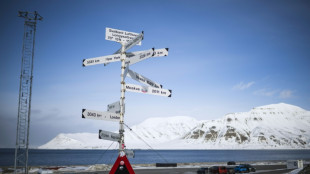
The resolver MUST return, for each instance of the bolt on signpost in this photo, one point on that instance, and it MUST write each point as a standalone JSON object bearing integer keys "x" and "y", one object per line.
{"x": 115, "y": 111}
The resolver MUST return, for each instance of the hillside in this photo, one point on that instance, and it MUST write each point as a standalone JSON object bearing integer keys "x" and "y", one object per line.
{"x": 276, "y": 126}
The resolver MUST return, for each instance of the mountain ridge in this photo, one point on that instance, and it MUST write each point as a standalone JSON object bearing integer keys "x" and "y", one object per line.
{"x": 275, "y": 126}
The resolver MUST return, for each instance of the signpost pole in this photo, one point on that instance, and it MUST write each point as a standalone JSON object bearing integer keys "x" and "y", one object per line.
{"x": 122, "y": 99}
{"x": 116, "y": 110}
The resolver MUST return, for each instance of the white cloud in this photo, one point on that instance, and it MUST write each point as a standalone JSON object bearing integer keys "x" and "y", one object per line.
{"x": 280, "y": 93}
{"x": 265, "y": 92}
{"x": 243, "y": 86}
{"x": 286, "y": 94}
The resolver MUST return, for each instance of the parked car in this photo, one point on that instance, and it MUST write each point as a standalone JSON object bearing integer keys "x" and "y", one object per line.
{"x": 230, "y": 169}
{"x": 217, "y": 170}
{"x": 249, "y": 167}
{"x": 214, "y": 170}
{"x": 203, "y": 170}
{"x": 222, "y": 170}
{"x": 231, "y": 163}
{"x": 241, "y": 169}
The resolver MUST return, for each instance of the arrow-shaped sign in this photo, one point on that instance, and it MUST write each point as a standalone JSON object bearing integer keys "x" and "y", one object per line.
{"x": 161, "y": 52}
{"x": 98, "y": 115}
{"x": 102, "y": 59}
{"x": 131, "y": 58}
{"x": 106, "y": 135}
{"x": 148, "y": 90}
{"x": 139, "y": 56}
{"x": 134, "y": 41}
{"x": 131, "y": 43}
{"x": 115, "y": 107}
{"x": 135, "y": 57}
{"x": 157, "y": 53}
{"x": 142, "y": 79}
{"x": 120, "y": 35}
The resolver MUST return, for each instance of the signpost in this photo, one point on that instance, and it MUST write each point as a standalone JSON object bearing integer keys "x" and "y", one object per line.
{"x": 106, "y": 135}
{"x": 114, "y": 107}
{"x": 98, "y": 115}
{"x": 139, "y": 78}
{"x": 141, "y": 55}
{"x": 120, "y": 35}
{"x": 148, "y": 90}
{"x": 115, "y": 111}
{"x": 135, "y": 57}
{"x": 161, "y": 52}
{"x": 102, "y": 59}
{"x": 131, "y": 43}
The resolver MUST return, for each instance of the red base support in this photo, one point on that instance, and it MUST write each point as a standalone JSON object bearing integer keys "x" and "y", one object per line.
{"x": 122, "y": 166}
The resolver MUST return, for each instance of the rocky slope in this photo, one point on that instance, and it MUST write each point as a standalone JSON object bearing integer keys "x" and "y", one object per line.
{"x": 271, "y": 126}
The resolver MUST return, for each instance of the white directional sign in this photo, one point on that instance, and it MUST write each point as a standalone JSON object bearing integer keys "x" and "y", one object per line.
{"x": 161, "y": 52}
{"x": 114, "y": 107}
{"x": 130, "y": 153}
{"x": 131, "y": 43}
{"x": 98, "y": 115}
{"x": 131, "y": 54}
{"x": 134, "y": 41}
{"x": 106, "y": 135}
{"x": 102, "y": 59}
{"x": 142, "y": 79}
{"x": 120, "y": 35}
{"x": 148, "y": 90}
{"x": 136, "y": 57}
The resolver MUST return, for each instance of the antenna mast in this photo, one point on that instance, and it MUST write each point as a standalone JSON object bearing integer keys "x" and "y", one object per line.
{"x": 25, "y": 88}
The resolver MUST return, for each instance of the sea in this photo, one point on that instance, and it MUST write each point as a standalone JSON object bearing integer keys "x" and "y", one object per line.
{"x": 41, "y": 157}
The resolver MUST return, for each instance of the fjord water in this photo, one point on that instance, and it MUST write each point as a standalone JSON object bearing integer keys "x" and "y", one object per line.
{"x": 40, "y": 157}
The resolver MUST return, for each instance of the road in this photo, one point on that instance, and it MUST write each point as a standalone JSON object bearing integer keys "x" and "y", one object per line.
{"x": 261, "y": 169}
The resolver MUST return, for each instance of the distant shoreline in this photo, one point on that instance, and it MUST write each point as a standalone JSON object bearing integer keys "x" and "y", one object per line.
{"x": 161, "y": 149}
{"x": 68, "y": 157}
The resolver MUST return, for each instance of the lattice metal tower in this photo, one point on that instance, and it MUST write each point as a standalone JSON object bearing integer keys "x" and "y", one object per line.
{"x": 24, "y": 104}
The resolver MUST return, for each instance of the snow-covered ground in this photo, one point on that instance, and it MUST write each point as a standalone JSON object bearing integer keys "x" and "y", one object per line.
{"x": 275, "y": 126}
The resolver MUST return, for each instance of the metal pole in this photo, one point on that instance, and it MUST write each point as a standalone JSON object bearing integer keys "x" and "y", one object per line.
{"x": 122, "y": 99}
{"x": 19, "y": 101}
{"x": 25, "y": 91}
{"x": 30, "y": 94}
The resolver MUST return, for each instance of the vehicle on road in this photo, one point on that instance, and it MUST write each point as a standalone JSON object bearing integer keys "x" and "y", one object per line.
{"x": 214, "y": 170}
{"x": 230, "y": 169}
{"x": 217, "y": 170}
{"x": 222, "y": 170}
{"x": 241, "y": 169}
{"x": 203, "y": 170}
{"x": 249, "y": 167}
{"x": 231, "y": 163}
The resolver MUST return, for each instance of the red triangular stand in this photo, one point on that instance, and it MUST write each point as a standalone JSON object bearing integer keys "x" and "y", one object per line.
{"x": 122, "y": 169}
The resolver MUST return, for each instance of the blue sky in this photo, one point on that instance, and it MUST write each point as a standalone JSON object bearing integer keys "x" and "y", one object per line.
{"x": 224, "y": 56}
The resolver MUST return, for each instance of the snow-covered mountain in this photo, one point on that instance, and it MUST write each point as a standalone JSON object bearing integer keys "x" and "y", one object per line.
{"x": 155, "y": 131}
{"x": 267, "y": 127}
{"x": 271, "y": 126}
